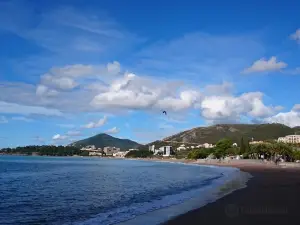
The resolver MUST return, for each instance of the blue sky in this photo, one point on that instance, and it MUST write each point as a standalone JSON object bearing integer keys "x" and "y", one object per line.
{"x": 72, "y": 69}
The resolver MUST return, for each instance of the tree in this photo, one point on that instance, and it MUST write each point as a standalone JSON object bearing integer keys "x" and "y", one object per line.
{"x": 222, "y": 146}
{"x": 201, "y": 153}
{"x": 242, "y": 146}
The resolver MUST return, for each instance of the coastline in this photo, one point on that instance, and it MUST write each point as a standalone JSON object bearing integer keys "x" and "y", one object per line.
{"x": 271, "y": 197}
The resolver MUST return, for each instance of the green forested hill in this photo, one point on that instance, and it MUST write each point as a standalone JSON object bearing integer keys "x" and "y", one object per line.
{"x": 102, "y": 140}
{"x": 212, "y": 134}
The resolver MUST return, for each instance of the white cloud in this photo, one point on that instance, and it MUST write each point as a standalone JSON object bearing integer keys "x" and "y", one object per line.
{"x": 113, "y": 130}
{"x": 114, "y": 68}
{"x": 3, "y": 119}
{"x": 42, "y": 90}
{"x": 70, "y": 76}
{"x": 296, "y": 108}
{"x": 187, "y": 99}
{"x": 134, "y": 92}
{"x": 13, "y": 108}
{"x": 231, "y": 109}
{"x": 264, "y": 65}
{"x": 296, "y": 36}
{"x": 63, "y": 83}
{"x": 290, "y": 119}
{"x": 99, "y": 123}
{"x": 59, "y": 137}
{"x": 22, "y": 118}
{"x": 73, "y": 133}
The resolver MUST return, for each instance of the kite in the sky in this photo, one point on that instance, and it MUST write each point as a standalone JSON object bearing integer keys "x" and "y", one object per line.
{"x": 165, "y": 112}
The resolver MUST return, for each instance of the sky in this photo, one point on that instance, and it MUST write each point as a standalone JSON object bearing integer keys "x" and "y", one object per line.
{"x": 73, "y": 69}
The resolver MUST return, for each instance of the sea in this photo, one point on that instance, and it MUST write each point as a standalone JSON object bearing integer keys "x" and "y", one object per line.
{"x": 85, "y": 190}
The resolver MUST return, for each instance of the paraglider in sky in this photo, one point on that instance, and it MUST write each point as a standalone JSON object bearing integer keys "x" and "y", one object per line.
{"x": 165, "y": 112}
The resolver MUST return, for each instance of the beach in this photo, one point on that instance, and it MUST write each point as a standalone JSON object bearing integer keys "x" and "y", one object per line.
{"x": 272, "y": 196}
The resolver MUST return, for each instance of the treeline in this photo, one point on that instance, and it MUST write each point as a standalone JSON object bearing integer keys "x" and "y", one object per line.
{"x": 139, "y": 154}
{"x": 46, "y": 150}
{"x": 269, "y": 150}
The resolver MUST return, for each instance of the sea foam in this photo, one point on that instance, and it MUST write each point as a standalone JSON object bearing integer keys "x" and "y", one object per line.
{"x": 170, "y": 206}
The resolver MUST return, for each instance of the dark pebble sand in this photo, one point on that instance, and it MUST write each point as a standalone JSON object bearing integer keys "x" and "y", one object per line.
{"x": 272, "y": 196}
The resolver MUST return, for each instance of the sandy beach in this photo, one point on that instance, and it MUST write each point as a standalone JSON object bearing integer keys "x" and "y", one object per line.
{"x": 272, "y": 196}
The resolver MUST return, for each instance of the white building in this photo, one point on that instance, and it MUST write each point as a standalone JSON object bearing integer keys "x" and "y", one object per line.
{"x": 290, "y": 139}
{"x": 152, "y": 148}
{"x": 94, "y": 153}
{"x": 256, "y": 142}
{"x": 234, "y": 145}
{"x": 89, "y": 148}
{"x": 166, "y": 150}
{"x": 111, "y": 150}
{"x": 206, "y": 145}
{"x": 181, "y": 147}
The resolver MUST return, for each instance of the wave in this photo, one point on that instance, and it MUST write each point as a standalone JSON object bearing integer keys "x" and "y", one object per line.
{"x": 167, "y": 207}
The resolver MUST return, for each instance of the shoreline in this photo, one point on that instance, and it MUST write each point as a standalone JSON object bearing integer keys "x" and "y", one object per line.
{"x": 271, "y": 196}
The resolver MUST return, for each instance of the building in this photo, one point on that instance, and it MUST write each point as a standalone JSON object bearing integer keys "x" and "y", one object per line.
{"x": 89, "y": 148}
{"x": 110, "y": 150}
{"x": 152, "y": 148}
{"x": 95, "y": 153}
{"x": 234, "y": 145}
{"x": 290, "y": 139}
{"x": 181, "y": 147}
{"x": 166, "y": 150}
{"x": 206, "y": 145}
{"x": 256, "y": 142}
{"x": 120, "y": 154}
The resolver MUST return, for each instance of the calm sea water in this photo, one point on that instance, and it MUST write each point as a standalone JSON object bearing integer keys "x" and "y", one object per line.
{"x": 52, "y": 190}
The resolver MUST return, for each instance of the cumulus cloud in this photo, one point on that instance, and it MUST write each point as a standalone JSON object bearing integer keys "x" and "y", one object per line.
{"x": 264, "y": 65}
{"x": 114, "y": 68}
{"x": 134, "y": 92}
{"x": 113, "y": 130}
{"x": 99, "y": 123}
{"x": 291, "y": 119}
{"x": 187, "y": 99}
{"x": 231, "y": 109}
{"x": 43, "y": 90}
{"x": 296, "y": 36}
{"x": 296, "y": 108}
{"x": 3, "y": 119}
{"x": 59, "y": 137}
{"x": 67, "y": 78}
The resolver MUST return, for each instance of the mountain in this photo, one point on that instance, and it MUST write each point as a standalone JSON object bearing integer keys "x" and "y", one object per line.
{"x": 103, "y": 140}
{"x": 212, "y": 134}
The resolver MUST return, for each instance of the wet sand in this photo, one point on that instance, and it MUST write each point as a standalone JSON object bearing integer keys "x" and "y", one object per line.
{"x": 272, "y": 196}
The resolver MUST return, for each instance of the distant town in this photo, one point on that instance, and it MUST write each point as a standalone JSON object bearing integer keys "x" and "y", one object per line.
{"x": 286, "y": 147}
{"x": 168, "y": 150}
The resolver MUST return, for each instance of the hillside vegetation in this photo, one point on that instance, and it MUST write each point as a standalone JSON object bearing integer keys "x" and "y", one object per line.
{"x": 103, "y": 140}
{"x": 212, "y": 134}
